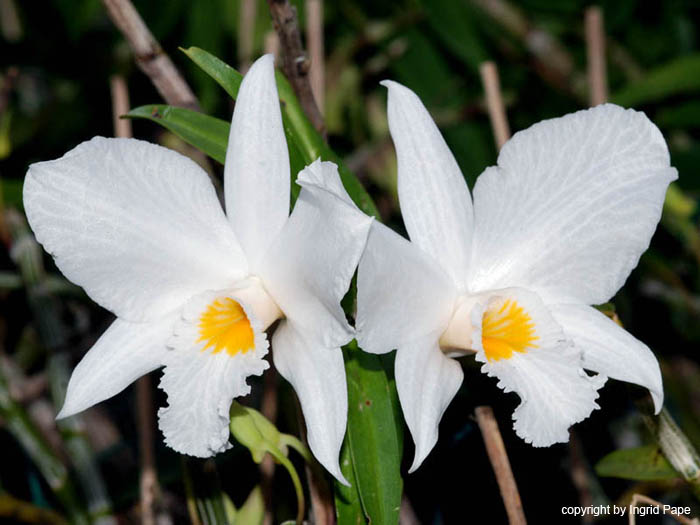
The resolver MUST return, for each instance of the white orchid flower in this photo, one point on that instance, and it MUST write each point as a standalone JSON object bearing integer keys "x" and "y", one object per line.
{"x": 557, "y": 226}
{"x": 141, "y": 229}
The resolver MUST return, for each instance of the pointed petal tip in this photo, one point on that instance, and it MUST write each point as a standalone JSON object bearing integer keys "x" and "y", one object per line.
{"x": 337, "y": 474}
{"x": 265, "y": 61}
{"x": 417, "y": 460}
{"x": 658, "y": 399}
{"x": 65, "y": 412}
{"x": 392, "y": 84}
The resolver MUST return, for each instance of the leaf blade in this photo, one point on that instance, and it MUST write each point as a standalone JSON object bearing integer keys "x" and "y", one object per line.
{"x": 646, "y": 463}
{"x": 208, "y": 134}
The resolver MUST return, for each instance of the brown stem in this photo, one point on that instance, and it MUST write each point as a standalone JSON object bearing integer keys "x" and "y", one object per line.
{"x": 246, "y": 33}
{"x": 494, "y": 103}
{"x": 150, "y": 57}
{"x": 501, "y": 466}
{"x": 595, "y": 51}
{"x": 314, "y": 40}
{"x": 268, "y": 408}
{"x": 295, "y": 62}
{"x": 120, "y": 106}
{"x": 149, "y": 487}
{"x": 579, "y": 474}
{"x": 551, "y": 59}
{"x": 407, "y": 516}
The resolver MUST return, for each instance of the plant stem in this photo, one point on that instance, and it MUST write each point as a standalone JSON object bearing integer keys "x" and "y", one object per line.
{"x": 595, "y": 51}
{"x": 494, "y": 103}
{"x": 501, "y": 466}
{"x": 296, "y": 64}
{"x": 150, "y": 57}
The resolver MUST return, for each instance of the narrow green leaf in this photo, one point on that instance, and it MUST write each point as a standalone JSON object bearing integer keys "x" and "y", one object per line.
{"x": 18, "y": 423}
{"x": 253, "y": 510}
{"x": 301, "y": 135}
{"x": 374, "y": 439}
{"x": 227, "y": 77}
{"x": 348, "y": 509}
{"x": 681, "y": 75}
{"x": 645, "y": 463}
{"x": 205, "y": 500}
{"x": 205, "y": 133}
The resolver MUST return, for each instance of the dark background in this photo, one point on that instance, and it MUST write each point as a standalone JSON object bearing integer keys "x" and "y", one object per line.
{"x": 55, "y": 63}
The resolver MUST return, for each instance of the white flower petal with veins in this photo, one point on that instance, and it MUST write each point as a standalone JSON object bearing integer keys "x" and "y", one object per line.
{"x": 256, "y": 173}
{"x": 125, "y": 352}
{"x": 426, "y": 381}
{"x": 137, "y": 225}
{"x": 317, "y": 374}
{"x": 435, "y": 201}
{"x": 571, "y": 206}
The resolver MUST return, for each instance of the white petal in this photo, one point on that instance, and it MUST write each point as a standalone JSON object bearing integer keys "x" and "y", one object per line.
{"x": 308, "y": 268}
{"x": 201, "y": 384}
{"x": 435, "y": 201}
{"x": 572, "y": 205}
{"x": 402, "y": 294}
{"x": 554, "y": 389}
{"x": 256, "y": 173}
{"x": 609, "y": 349}
{"x": 125, "y": 352}
{"x": 137, "y": 225}
{"x": 317, "y": 374}
{"x": 427, "y": 381}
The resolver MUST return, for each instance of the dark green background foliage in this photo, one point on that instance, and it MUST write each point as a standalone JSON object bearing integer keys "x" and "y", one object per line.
{"x": 54, "y": 93}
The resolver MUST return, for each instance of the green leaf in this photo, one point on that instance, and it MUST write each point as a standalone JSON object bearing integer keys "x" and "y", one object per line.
{"x": 645, "y": 463}
{"x": 227, "y": 77}
{"x": 20, "y": 426}
{"x": 205, "y": 133}
{"x": 348, "y": 509}
{"x": 302, "y": 137}
{"x": 678, "y": 76}
{"x": 374, "y": 439}
{"x": 253, "y": 510}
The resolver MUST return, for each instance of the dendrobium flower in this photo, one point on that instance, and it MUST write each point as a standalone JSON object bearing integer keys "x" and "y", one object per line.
{"x": 556, "y": 227}
{"x": 141, "y": 229}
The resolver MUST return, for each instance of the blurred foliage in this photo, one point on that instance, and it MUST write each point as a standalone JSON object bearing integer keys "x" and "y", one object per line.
{"x": 55, "y": 62}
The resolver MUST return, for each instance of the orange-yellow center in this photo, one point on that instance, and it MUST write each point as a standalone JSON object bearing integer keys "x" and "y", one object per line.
{"x": 506, "y": 328}
{"x": 225, "y": 326}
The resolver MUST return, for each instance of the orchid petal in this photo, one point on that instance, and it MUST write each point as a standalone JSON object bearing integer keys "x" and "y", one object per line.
{"x": 426, "y": 381}
{"x": 609, "y": 349}
{"x": 571, "y": 206}
{"x": 309, "y": 266}
{"x": 202, "y": 381}
{"x": 317, "y": 374}
{"x": 402, "y": 294}
{"x": 435, "y": 201}
{"x": 137, "y": 225}
{"x": 125, "y": 352}
{"x": 256, "y": 173}
{"x": 546, "y": 373}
